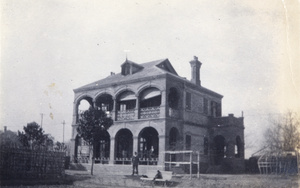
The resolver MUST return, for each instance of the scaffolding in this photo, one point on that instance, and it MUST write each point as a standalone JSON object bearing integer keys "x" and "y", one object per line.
{"x": 187, "y": 157}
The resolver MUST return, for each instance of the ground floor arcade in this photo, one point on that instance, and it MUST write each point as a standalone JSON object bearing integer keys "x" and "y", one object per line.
{"x": 151, "y": 139}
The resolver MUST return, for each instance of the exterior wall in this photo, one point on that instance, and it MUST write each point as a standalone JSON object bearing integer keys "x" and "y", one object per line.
{"x": 230, "y": 128}
{"x": 197, "y": 134}
{"x": 197, "y": 122}
{"x": 197, "y": 113}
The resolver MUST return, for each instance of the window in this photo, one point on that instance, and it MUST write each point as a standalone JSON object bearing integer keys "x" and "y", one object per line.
{"x": 173, "y": 98}
{"x": 219, "y": 110}
{"x": 126, "y": 69}
{"x": 122, "y": 107}
{"x": 188, "y": 101}
{"x": 188, "y": 142}
{"x": 213, "y": 108}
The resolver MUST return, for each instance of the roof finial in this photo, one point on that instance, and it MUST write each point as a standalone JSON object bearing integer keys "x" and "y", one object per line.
{"x": 126, "y": 51}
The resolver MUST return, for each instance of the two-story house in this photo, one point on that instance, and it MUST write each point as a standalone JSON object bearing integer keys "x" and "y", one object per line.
{"x": 155, "y": 110}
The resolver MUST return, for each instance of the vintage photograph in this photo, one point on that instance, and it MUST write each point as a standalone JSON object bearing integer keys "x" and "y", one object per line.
{"x": 160, "y": 93}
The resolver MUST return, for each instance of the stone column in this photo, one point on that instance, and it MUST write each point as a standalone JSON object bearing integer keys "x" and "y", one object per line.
{"x": 163, "y": 105}
{"x": 75, "y": 113}
{"x": 74, "y": 132}
{"x": 162, "y": 146}
{"x": 95, "y": 104}
{"x": 137, "y": 107}
{"x": 112, "y": 151}
{"x": 114, "y": 110}
{"x": 72, "y": 149}
{"x": 230, "y": 149}
{"x": 135, "y": 144}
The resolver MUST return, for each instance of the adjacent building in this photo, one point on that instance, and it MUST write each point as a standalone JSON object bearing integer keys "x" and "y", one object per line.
{"x": 155, "y": 110}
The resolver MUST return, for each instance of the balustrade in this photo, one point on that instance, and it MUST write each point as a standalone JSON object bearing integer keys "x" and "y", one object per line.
{"x": 125, "y": 115}
{"x": 150, "y": 112}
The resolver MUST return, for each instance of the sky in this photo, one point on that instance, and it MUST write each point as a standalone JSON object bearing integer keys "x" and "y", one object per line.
{"x": 249, "y": 51}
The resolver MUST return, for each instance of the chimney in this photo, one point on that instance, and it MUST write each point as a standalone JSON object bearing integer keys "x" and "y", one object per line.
{"x": 196, "y": 65}
{"x": 5, "y": 128}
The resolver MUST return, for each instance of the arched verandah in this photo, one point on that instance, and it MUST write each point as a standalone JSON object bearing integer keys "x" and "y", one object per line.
{"x": 123, "y": 146}
{"x": 148, "y": 143}
{"x": 150, "y": 101}
{"x": 105, "y": 102}
{"x": 102, "y": 148}
{"x": 82, "y": 150}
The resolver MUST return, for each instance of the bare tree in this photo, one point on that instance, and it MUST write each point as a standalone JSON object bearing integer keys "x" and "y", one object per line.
{"x": 283, "y": 133}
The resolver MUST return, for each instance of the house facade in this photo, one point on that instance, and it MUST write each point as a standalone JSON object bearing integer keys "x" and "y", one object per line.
{"x": 155, "y": 110}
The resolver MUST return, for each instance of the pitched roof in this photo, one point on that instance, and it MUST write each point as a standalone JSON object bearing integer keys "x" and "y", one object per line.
{"x": 149, "y": 69}
{"x": 152, "y": 68}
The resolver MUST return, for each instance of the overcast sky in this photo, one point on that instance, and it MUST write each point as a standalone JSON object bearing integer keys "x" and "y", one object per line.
{"x": 249, "y": 51}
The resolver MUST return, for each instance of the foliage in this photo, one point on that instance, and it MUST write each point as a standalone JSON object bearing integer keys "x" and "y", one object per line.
{"x": 9, "y": 139}
{"x": 60, "y": 146}
{"x": 283, "y": 134}
{"x": 92, "y": 124}
{"x": 33, "y": 137}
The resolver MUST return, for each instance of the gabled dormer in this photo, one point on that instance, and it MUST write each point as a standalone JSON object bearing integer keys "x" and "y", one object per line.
{"x": 166, "y": 65}
{"x": 129, "y": 67}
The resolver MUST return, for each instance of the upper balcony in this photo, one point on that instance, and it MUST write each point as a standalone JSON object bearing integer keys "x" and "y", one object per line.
{"x": 149, "y": 103}
{"x": 144, "y": 106}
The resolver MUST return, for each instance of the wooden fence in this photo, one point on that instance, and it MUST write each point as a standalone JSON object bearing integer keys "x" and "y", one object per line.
{"x": 25, "y": 164}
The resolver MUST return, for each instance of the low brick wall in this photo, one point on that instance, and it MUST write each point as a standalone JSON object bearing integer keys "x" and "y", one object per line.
{"x": 25, "y": 164}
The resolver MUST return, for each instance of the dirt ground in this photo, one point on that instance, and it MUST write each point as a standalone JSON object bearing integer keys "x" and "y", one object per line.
{"x": 84, "y": 179}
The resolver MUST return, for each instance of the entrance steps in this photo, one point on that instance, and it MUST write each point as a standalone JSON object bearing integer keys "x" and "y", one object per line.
{"x": 114, "y": 169}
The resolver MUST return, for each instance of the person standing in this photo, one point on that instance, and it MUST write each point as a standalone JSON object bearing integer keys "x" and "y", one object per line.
{"x": 135, "y": 164}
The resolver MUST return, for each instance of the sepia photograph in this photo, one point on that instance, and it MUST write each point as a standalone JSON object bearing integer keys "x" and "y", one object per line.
{"x": 160, "y": 93}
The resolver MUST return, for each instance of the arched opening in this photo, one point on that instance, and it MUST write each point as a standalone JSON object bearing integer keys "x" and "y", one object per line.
{"x": 219, "y": 149}
{"x": 173, "y": 99}
{"x": 82, "y": 150}
{"x": 150, "y": 101}
{"x": 174, "y": 139}
{"x": 102, "y": 148}
{"x": 83, "y": 105}
{"x": 105, "y": 103}
{"x": 238, "y": 147}
{"x": 148, "y": 143}
{"x": 123, "y": 146}
{"x": 126, "y": 103}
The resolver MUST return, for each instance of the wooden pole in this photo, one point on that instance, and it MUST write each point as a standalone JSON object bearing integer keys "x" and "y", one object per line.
{"x": 191, "y": 165}
{"x": 198, "y": 156}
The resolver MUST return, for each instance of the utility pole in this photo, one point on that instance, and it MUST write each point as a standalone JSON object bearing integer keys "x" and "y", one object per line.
{"x": 42, "y": 120}
{"x": 63, "y": 131}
